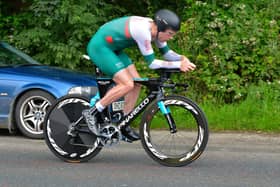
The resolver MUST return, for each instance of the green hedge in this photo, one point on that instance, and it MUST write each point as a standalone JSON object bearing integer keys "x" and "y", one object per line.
{"x": 233, "y": 43}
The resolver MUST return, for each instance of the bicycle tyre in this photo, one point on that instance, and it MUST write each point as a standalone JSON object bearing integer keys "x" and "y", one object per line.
{"x": 61, "y": 114}
{"x": 191, "y": 136}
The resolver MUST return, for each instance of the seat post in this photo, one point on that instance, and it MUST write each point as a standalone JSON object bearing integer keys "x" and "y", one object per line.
{"x": 97, "y": 71}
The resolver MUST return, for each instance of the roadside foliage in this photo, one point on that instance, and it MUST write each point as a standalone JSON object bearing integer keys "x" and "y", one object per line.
{"x": 234, "y": 44}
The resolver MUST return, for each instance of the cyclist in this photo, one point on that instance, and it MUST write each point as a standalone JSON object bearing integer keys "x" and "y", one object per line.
{"x": 106, "y": 52}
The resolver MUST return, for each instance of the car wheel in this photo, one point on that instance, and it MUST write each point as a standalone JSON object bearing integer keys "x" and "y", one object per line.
{"x": 30, "y": 112}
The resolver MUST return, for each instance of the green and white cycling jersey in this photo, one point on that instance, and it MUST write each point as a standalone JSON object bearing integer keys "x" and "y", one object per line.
{"x": 106, "y": 46}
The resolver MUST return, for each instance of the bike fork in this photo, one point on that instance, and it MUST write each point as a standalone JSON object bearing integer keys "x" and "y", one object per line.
{"x": 167, "y": 114}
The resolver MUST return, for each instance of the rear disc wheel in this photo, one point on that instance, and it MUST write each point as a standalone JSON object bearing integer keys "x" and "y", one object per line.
{"x": 62, "y": 114}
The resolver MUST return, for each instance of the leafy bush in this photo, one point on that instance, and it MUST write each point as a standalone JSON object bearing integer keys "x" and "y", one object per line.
{"x": 58, "y": 30}
{"x": 234, "y": 44}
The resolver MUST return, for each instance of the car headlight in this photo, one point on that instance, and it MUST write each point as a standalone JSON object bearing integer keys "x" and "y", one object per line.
{"x": 85, "y": 91}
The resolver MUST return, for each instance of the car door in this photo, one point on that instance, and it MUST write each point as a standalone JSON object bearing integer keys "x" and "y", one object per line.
{"x": 8, "y": 89}
{"x": 5, "y": 99}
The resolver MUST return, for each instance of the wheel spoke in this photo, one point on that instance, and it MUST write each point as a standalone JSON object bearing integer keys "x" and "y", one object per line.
{"x": 32, "y": 104}
{"x": 37, "y": 125}
{"x": 44, "y": 106}
{"x": 29, "y": 117}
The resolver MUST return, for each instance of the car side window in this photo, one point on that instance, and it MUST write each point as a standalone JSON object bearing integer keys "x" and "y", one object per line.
{"x": 7, "y": 58}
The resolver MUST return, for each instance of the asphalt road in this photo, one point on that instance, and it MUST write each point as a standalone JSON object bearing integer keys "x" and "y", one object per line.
{"x": 230, "y": 160}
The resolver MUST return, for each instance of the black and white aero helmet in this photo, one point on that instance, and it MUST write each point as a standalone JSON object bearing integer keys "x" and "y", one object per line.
{"x": 166, "y": 19}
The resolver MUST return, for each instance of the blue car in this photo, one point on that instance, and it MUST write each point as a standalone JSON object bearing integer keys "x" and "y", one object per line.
{"x": 28, "y": 89}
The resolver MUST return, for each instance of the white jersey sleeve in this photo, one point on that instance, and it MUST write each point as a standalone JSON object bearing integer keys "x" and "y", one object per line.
{"x": 141, "y": 33}
{"x": 156, "y": 64}
{"x": 140, "y": 30}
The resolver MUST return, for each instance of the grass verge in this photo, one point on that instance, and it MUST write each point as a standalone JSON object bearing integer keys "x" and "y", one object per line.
{"x": 260, "y": 111}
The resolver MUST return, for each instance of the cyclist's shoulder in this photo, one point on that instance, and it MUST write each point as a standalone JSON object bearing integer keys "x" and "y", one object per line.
{"x": 140, "y": 19}
{"x": 140, "y": 27}
{"x": 120, "y": 20}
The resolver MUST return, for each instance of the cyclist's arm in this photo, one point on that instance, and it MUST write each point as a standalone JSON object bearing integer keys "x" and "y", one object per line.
{"x": 157, "y": 63}
{"x": 168, "y": 54}
{"x": 172, "y": 57}
{"x": 148, "y": 53}
{"x": 141, "y": 33}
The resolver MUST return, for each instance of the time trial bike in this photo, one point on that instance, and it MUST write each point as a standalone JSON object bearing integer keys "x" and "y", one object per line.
{"x": 173, "y": 128}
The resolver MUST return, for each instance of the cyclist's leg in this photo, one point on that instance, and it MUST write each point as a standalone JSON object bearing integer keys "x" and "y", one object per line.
{"x": 124, "y": 84}
{"x": 132, "y": 96}
{"x": 110, "y": 64}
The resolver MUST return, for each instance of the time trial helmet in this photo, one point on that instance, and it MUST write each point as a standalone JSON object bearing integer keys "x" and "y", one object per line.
{"x": 166, "y": 19}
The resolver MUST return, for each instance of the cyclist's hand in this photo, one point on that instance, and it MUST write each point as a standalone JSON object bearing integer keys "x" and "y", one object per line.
{"x": 187, "y": 65}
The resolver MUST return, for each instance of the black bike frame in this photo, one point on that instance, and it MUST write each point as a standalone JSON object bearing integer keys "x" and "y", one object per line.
{"x": 154, "y": 93}
{"x": 155, "y": 86}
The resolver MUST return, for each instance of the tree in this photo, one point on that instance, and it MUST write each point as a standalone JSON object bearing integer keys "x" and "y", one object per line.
{"x": 56, "y": 31}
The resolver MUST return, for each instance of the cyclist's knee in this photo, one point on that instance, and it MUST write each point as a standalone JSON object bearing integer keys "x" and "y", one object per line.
{"x": 137, "y": 86}
{"x": 129, "y": 85}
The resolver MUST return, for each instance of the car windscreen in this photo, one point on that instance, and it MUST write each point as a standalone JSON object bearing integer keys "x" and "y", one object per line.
{"x": 10, "y": 56}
